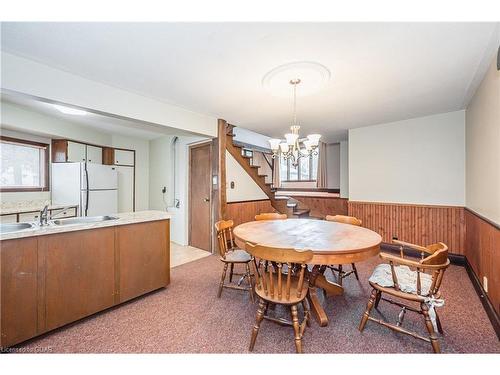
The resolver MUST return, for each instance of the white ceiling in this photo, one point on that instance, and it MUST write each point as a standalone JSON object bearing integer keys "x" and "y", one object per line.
{"x": 380, "y": 72}
{"x": 103, "y": 123}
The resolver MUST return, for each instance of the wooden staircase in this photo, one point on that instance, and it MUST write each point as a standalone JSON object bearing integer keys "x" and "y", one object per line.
{"x": 282, "y": 204}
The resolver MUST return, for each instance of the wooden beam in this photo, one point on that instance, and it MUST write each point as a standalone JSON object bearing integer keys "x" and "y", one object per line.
{"x": 221, "y": 169}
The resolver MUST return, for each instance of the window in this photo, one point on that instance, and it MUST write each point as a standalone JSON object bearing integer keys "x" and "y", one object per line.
{"x": 306, "y": 170}
{"x": 24, "y": 165}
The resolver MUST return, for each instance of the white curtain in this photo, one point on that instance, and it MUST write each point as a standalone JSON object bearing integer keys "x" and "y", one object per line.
{"x": 276, "y": 173}
{"x": 321, "y": 179}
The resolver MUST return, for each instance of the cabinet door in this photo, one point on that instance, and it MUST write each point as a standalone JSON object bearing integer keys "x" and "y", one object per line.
{"x": 144, "y": 258}
{"x": 123, "y": 157}
{"x": 125, "y": 189}
{"x": 79, "y": 277}
{"x": 18, "y": 260}
{"x": 94, "y": 154}
{"x": 76, "y": 152}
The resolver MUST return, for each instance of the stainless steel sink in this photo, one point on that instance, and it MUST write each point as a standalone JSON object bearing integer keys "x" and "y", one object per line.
{"x": 14, "y": 227}
{"x": 83, "y": 220}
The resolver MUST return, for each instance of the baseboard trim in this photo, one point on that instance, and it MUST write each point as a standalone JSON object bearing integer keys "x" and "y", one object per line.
{"x": 459, "y": 260}
{"x": 488, "y": 306}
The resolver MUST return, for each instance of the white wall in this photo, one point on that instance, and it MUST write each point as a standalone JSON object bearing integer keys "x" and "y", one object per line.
{"x": 419, "y": 161}
{"x": 344, "y": 169}
{"x": 33, "y": 123}
{"x": 247, "y": 136}
{"x": 333, "y": 165}
{"x": 29, "y": 77}
{"x": 483, "y": 147}
{"x": 245, "y": 188}
{"x": 160, "y": 173}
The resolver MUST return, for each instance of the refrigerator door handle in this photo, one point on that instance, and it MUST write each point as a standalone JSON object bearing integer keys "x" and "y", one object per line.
{"x": 87, "y": 195}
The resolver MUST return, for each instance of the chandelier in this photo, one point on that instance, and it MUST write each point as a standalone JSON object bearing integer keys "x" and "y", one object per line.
{"x": 293, "y": 147}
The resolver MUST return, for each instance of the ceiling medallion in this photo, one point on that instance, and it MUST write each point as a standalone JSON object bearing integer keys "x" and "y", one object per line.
{"x": 313, "y": 77}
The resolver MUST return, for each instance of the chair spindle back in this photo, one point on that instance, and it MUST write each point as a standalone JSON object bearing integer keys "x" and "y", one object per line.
{"x": 437, "y": 262}
{"x": 270, "y": 269}
{"x": 225, "y": 236}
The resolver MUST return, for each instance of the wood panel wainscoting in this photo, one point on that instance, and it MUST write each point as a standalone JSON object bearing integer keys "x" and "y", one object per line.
{"x": 242, "y": 212}
{"x": 322, "y": 206}
{"x": 482, "y": 251}
{"x": 420, "y": 224}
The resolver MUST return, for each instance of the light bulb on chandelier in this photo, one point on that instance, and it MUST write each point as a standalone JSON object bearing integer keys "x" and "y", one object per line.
{"x": 292, "y": 148}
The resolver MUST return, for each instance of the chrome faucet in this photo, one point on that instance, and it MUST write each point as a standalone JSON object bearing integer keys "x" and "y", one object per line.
{"x": 44, "y": 213}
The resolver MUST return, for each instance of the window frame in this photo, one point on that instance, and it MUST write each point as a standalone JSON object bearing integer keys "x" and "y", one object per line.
{"x": 46, "y": 179}
{"x": 288, "y": 163}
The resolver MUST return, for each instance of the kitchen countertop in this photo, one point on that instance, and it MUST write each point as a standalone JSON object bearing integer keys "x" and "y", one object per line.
{"x": 31, "y": 208}
{"x": 123, "y": 219}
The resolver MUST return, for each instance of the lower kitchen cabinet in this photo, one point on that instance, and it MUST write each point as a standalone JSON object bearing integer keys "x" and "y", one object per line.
{"x": 19, "y": 304}
{"x": 52, "y": 280}
{"x": 78, "y": 271}
{"x": 143, "y": 258}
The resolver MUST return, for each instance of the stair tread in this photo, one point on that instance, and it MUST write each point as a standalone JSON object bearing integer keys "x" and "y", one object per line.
{"x": 281, "y": 198}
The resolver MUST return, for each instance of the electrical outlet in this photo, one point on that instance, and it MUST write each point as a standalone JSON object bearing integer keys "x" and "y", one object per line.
{"x": 485, "y": 284}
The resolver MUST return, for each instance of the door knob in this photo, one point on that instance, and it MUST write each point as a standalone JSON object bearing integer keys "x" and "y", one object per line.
{"x": 207, "y": 199}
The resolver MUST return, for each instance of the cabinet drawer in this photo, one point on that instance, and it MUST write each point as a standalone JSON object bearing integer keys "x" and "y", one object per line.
{"x": 28, "y": 217}
{"x": 123, "y": 157}
{"x": 62, "y": 213}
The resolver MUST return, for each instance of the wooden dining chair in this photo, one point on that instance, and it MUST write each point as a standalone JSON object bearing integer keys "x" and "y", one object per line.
{"x": 270, "y": 216}
{"x": 230, "y": 256}
{"x": 281, "y": 281}
{"x": 421, "y": 285}
{"x": 345, "y": 220}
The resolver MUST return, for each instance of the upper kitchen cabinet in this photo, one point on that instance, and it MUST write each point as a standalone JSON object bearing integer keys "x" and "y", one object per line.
{"x": 76, "y": 152}
{"x": 94, "y": 154}
{"x": 124, "y": 157}
{"x": 68, "y": 151}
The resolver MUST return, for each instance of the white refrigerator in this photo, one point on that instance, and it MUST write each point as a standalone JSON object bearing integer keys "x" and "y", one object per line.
{"x": 92, "y": 187}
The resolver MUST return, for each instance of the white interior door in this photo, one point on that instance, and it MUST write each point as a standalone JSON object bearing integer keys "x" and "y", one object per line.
{"x": 125, "y": 189}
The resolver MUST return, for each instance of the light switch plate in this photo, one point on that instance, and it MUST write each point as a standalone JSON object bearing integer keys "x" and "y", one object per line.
{"x": 485, "y": 284}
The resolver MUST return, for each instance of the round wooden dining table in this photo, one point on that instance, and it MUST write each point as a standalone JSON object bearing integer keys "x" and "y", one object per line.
{"x": 331, "y": 243}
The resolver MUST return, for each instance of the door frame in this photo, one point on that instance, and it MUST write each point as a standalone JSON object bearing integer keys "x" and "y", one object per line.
{"x": 192, "y": 146}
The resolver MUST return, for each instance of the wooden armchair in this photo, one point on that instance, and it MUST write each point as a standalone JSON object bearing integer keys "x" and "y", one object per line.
{"x": 421, "y": 286}
{"x": 270, "y": 216}
{"x": 280, "y": 280}
{"x": 345, "y": 220}
{"x": 231, "y": 255}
